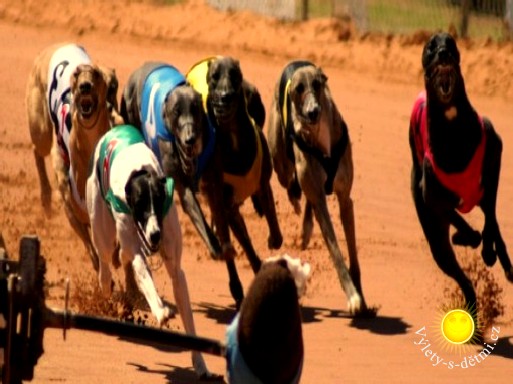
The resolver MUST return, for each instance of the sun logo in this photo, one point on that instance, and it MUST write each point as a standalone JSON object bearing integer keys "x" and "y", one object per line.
{"x": 458, "y": 327}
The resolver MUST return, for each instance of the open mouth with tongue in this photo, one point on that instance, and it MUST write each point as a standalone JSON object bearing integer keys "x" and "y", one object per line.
{"x": 86, "y": 105}
{"x": 445, "y": 82}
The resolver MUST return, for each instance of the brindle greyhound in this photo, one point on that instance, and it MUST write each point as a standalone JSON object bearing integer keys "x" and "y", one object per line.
{"x": 246, "y": 162}
{"x": 311, "y": 152}
{"x": 170, "y": 114}
{"x": 456, "y": 156}
{"x": 66, "y": 90}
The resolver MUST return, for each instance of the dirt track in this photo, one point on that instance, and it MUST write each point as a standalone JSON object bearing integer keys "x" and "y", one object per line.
{"x": 374, "y": 83}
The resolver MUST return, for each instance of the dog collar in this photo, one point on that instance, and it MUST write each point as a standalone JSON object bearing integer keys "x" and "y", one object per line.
{"x": 238, "y": 371}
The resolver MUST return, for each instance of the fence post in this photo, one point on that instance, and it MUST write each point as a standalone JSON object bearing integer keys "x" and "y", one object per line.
{"x": 304, "y": 10}
{"x": 508, "y": 18}
{"x": 465, "y": 11}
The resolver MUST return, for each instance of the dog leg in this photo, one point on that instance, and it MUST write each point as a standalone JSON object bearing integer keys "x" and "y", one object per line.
{"x": 192, "y": 208}
{"x": 171, "y": 254}
{"x": 294, "y": 195}
{"x": 346, "y": 211}
{"x": 436, "y": 231}
{"x": 307, "y": 229}
{"x": 438, "y": 238}
{"x": 241, "y": 234}
{"x": 147, "y": 287}
{"x": 493, "y": 243}
{"x": 465, "y": 235}
{"x": 266, "y": 199}
{"x": 44, "y": 183}
{"x": 356, "y": 303}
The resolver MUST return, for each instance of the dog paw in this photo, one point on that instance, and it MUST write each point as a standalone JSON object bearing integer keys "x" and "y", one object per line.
{"x": 165, "y": 315}
{"x": 211, "y": 377}
{"x": 489, "y": 255}
{"x": 355, "y": 304}
{"x": 467, "y": 239}
{"x": 275, "y": 242}
{"x": 509, "y": 275}
{"x": 297, "y": 206}
{"x": 201, "y": 369}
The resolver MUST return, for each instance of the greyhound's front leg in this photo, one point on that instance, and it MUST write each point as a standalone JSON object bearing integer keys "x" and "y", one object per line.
{"x": 493, "y": 243}
{"x": 192, "y": 208}
{"x": 356, "y": 302}
{"x": 105, "y": 277}
{"x": 147, "y": 287}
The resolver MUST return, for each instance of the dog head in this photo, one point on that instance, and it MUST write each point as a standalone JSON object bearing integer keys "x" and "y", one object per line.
{"x": 306, "y": 92}
{"x": 89, "y": 93}
{"x": 269, "y": 330}
{"x": 442, "y": 73}
{"x": 146, "y": 196}
{"x": 224, "y": 79}
{"x": 185, "y": 118}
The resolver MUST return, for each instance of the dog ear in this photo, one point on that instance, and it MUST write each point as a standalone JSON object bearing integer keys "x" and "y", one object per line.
{"x": 129, "y": 186}
{"x": 322, "y": 75}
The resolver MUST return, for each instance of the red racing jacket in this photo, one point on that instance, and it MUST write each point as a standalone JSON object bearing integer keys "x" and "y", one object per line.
{"x": 465, "y": 184}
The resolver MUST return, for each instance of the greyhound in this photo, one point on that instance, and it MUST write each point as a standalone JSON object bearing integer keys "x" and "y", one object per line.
{"x": 456, "y": 161}
{"x": 311, "y": 153}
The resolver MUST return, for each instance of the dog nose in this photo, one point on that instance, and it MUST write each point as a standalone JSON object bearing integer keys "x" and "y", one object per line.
{"x": 443, "y": 53}
{"x": 190, "y": 140}
{"x": 155, "y": 237}
{"x": 85, "y": 87}
{"x": 313, "y": 114}
{"x": 226, "y": 97}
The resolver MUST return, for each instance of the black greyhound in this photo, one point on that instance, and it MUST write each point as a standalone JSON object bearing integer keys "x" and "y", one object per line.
{"x": 235, "y": 108}
{"x": 456, "y": 157}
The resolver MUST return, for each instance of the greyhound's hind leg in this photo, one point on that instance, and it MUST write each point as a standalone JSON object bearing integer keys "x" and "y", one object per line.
{"x": 266, "y": 199}
{"x": 44, "y": 183}
{"x": 307, "y": 230}
{"x": 82, "y": 230}
{"x": 465, "y": 235}
{"x": 437, "y": 233}
{"x": 240, "y": 231}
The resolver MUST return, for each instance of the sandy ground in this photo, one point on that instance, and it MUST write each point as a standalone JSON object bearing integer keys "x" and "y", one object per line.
{"x": 374, "y": 80}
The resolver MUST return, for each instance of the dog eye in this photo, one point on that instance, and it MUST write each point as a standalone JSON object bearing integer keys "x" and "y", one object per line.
{"x": 316, "y": 85}
{"x": 300, "y": 88}
{"x": 215, "y": 76}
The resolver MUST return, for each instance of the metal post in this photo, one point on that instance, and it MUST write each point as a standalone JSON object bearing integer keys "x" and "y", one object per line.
{"x": 465, "y": 12}
{"x": 508, "y": 18}
{"x": 304, "y": 10}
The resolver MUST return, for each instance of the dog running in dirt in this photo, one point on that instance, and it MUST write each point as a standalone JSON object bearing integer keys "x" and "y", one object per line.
{"x": 265, "y": 340}
{"x": 456, "y": 155}
{"x": 235, "y": 108}
{"x": 311, "y": 152}
{"x": 169, "y": 112}
{"x": 132, "y": 215}
{"x": 71, "y": 103}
